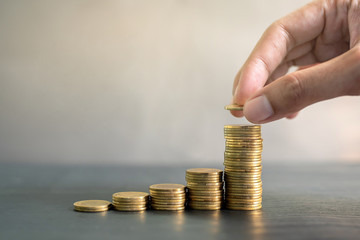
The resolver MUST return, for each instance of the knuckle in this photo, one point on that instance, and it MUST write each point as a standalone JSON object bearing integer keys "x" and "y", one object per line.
{"x": 294, "y": 91}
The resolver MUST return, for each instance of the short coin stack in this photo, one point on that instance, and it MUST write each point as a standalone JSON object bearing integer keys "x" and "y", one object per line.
{"x": 168, "y": 196}
{"x": 130, "y": 201}
{"x": 92, "y": 206}
{"x": 243, "y": 185}
{"x": 205, "y": 188}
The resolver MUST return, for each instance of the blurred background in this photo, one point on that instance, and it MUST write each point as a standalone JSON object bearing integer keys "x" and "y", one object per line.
{"x": 145, "y": 82}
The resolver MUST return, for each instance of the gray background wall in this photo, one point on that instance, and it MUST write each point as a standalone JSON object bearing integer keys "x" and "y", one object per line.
{"x": 145, "y": 82}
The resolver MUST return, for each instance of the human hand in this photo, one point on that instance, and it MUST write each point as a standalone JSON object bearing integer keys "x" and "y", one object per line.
{"x": 323, "y": 39}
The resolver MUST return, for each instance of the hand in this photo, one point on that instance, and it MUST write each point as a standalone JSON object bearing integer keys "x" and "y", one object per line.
{"x": 323, "y": 38}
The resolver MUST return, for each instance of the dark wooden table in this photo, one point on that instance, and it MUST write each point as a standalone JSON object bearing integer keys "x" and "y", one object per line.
{"x": 300, "y": 201}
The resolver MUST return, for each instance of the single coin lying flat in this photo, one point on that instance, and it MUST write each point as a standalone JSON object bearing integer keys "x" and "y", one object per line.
{"x": 234, "y": 107}
{"x": 92, "y": 206}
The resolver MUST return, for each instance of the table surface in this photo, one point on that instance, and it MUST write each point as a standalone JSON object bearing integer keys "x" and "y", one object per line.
{"x": 305, "y": 201}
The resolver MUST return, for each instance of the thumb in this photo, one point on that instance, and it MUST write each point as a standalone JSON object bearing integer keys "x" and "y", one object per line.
{"x": 293, "y": 92}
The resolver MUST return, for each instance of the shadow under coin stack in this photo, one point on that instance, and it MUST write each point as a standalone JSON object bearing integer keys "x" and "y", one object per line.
{"x": 168, "y": 196}
{"x": 130, "y": 201}
{"x": 205, "y": 188}
{"x": 243, "y": 185}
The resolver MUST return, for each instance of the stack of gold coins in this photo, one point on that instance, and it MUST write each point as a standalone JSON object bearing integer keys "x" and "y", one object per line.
{"x": 168, "y": 196}
{"x": 243, "y": 185}
{"x": 130, "y": 201}
{"x": 205, "y": 188}
{"x": 92, "y": 206}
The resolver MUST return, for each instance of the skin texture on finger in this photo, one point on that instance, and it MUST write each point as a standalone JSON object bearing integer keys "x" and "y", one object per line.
{"x": 354, "y": 20}
{"x": 293, "y": 92}
{"x": 281, "y": 37}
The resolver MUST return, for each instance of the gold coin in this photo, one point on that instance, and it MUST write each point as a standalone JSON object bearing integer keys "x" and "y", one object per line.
{"x": 218, "y": 203}
{"x": 204, "y": 171}
{"x": 206, "y": 196}
{"x": 168, "y": 204}
{"x": 243, "y": 150}
{"x": 168, "y": 195}
{"x": 92, "y": 205}
{"x": 244, "y": 169}
{"x": 242, "y": 132}
{"x": 169, "y": 208}
{"x": 167, "y": 187}
{"x": 241, "y": 192}
{"x": 214, "y": 199}
{"x": 130, "y": 206}
{"x": 242, "y": 136}
{"x": 204, "y": 184}
{"x": 245, "y": 173}
{"x": 234, "y": 182}
{"x": 231, "y": 189}
{"x": 243, "y": 158}
{"x": 200, "y": 180}
{"x": 205, "y": 188}
{"x": 234, "y": 107}
{"x": 205, "y": 192}
{"x": 244, "y": 143}
{"x": 209, "y": 201}
{"x": 243, "y": 176}
{"x": 231, "y": 165}
{"x": 243, "y": 207}
{"x": 241, "y": 129}
{"x": 81, "y": 209}
{"x": 130, "y": 209}
{"x": 130, "y": 195}
{"x": 251, "y": 154}
{"x": 130, "y": 202}
{"x": 205, "y": 207}
{"x": 243, "y": 204}
{"x": 243, "y": 200}
{"x": 241, "y": 185}
{"x": 245, "y": 195}
{"x": 242, "y": 126}
{"x": 161, "y": 201}
{"x": 240, "y": 164}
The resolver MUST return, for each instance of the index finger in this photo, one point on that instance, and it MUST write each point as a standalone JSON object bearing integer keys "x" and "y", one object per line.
{"x": 298, "y": 27}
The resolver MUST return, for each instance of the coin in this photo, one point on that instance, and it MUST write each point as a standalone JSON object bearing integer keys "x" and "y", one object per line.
{"x": 92, "y": 205}
{"x": 242, "y": 161}
{"x": 234, "y": 107}
{"x": 168, "y": 196}
{"x": 129, "y": 209}
{"x": 243, "y": 126}
{"x": 131, "y": 195}
{"x": 167, "y": 208}
{"x": 167, "y": 187}
{"x": 236, "y": 207}
{"x": 204, "y": 171}
{"x": 205, "y": 188}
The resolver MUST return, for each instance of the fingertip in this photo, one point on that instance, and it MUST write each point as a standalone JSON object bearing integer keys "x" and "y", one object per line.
{"x": 258, "y": 109}
{"x": 292, "y": 116}
{"x": 237, "y": 114}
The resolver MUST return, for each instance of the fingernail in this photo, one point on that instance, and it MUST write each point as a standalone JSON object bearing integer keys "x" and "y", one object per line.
{"x": 258, "y": 109}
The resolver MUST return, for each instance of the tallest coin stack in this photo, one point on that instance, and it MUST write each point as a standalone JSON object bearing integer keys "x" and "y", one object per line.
{"x": 242, "y": 160}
